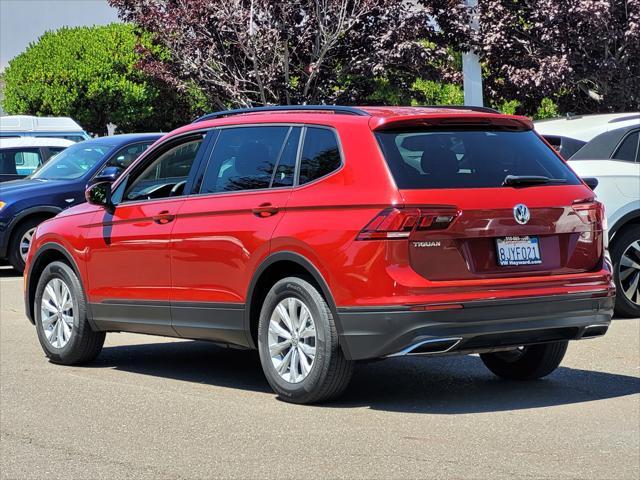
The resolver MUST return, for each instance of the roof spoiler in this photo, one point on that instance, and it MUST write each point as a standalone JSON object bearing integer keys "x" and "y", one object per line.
{"x": 472, "y": 120}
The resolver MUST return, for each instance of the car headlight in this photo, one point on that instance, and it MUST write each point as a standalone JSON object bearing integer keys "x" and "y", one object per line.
{"x": 2, "y": 204}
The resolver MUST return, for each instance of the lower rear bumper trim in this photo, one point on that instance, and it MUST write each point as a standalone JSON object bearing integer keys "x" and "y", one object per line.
{"x": 385, "y": 331}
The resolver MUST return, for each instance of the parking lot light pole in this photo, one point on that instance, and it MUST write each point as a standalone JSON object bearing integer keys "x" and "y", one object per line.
{"x": 471, "y": 70}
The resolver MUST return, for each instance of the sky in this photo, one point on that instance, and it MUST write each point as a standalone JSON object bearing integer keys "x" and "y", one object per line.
{"x": 23, "y": 21}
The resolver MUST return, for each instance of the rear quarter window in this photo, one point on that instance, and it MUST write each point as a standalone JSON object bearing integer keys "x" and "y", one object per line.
{"x": 320, "y": 154}
{"x": 468, "y": 158}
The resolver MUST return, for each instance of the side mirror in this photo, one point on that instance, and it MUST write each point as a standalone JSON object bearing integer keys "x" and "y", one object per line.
{"x": 109, "y": 174}
{"x": 99, "y": 194}
{"x": 591, "y": 182}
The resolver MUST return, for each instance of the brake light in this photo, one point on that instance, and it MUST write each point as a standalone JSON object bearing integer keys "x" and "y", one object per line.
{"x": 591, "y": 212}
{"x": 397, "y": 223}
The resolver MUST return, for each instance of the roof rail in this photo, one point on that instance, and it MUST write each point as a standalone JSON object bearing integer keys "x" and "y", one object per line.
{"x": 463, "y": 107}
{"x": 286, "y": 108}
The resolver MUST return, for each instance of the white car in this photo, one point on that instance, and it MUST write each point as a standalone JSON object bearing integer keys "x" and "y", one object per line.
{"x": 21, "y": 156}
{"x": 50, "y": 127}
{"x": 569, "y": 134}
{"x": 613, "y": 158}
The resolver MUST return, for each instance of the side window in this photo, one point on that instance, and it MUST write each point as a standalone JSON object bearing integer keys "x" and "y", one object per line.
{"x": 244, "y": 158}
{"x": 52, "y": 152}
{"x": 20, "y": 161}
{"x": 628, "y": 149}
{"x": 320, "y": 154}
{"x": 285, "y": 170}
{"x": 167, "y": 175}
{"x": 125, "y": 156}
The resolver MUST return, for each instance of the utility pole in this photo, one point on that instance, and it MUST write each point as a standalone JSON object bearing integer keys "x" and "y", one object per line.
{"x": 471, "y": 70}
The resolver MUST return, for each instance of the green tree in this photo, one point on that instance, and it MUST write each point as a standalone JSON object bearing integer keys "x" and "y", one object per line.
{"x": 91, "y": 75}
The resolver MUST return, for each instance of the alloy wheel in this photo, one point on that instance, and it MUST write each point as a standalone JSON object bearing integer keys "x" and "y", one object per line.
{"x": 56, "y": 313}
{"x": 292, "y": 340}
{"x": 25, "y": 243}
{"x": 629, "y": 272}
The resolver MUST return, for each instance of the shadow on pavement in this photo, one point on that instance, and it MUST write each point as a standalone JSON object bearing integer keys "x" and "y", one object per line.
{"x": 445, "y": 385}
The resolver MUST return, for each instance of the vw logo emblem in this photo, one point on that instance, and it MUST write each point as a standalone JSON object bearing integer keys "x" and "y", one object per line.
{"x": 521, "y": 213}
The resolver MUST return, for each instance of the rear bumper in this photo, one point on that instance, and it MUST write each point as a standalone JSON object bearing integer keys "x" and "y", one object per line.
{"x": 375, "y": 332}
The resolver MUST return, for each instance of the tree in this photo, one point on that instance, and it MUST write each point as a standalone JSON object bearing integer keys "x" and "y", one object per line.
{"x": 582, "y": 54}
{"x": 256, "y": 52}
{"x": 90, "y": 74}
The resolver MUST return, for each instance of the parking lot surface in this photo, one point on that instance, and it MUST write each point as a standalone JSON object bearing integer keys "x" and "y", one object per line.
{"x": 153, "y": 407}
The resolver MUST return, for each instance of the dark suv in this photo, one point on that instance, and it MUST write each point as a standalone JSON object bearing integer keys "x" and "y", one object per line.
{"x": 324, "y": 235}
{"x": 58, "y": 184}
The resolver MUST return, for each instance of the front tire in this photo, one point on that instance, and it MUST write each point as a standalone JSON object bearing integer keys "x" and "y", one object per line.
{"x": 61, "y": 317}
{"x": 298, "y": 344}
{"x": 625, "y": 254}
{"x": 526, "y": 363}
{"x": 21, "y": 241}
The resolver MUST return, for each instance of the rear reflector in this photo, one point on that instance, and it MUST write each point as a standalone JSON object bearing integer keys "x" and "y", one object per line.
{"x": 397, "y": 223}
{"x": 443, "y": 306}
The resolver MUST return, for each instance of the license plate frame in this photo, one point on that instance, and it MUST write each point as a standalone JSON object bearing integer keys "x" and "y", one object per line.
{"x": 518, "y": 251}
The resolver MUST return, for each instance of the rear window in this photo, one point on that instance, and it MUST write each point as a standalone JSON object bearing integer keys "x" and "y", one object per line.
{"x": 468, "y": 158}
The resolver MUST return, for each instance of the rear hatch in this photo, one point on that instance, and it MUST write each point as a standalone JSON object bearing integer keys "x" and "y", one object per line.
{"x": 489, "y": 201}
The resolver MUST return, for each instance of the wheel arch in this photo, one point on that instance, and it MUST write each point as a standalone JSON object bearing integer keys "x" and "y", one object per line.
{"x": 49, "y": 252}
{"x": 275, "y": 267}
{"x": 47, "y": 211}
{"x": 631, "y": 218}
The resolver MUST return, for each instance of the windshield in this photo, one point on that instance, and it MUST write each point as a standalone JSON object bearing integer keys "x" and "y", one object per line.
{"x": 73, "y": 162}
{"x": 468, "y": 158}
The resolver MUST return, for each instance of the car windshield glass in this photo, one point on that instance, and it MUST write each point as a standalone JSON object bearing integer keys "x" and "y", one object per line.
{"x": 73, "y": 162}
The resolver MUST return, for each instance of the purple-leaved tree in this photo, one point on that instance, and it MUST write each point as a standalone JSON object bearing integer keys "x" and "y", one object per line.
{"x": 584, "y": 54}
{"x": 257, "y": 52}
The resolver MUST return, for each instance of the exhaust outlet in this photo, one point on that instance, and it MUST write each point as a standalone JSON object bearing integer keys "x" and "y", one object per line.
{"x": 429, "y": 347}
{"x": 592, "y": 331}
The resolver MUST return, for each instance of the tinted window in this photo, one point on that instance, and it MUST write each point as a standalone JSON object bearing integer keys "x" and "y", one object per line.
{"x": 167, "y": 175}
{"x": 285, "y": 170}
{"x": 53, "y": 151}
{"x": 73, "y": 162}
{"x": 320, "y": 154}
{"x": 628, "y": 149}
{"x": 21, "y": 161}
{"x": 244, "y": 159}
{"x": 468, "y": 158}
{"x": 125, "y": 156}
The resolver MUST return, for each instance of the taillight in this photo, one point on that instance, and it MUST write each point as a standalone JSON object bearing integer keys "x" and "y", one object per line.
{"x": 591, "y": 212}
{"x": 397, "y": 223}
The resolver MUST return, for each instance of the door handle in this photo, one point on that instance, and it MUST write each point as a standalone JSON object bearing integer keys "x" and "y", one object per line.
{"x": 163, "y": 217}
{"x": 265, "y": 210}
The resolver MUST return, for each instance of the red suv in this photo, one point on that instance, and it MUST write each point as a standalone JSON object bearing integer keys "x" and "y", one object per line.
{"x": 322, "y": 235}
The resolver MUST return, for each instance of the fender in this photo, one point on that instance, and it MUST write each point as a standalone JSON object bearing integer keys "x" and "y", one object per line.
{"x": 629, "y": 217}
{"x": 29, "y": 293}
{"x": 304, "y": 263}
{"x": 48, "y": 209}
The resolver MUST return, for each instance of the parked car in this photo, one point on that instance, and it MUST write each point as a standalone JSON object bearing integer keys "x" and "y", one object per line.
{"x": 52, "y": 127}
{"x": 58, "y": 184}
{"x": 323, "y": 235}
{"x": 586, "y": 127}
{"x": 21, "y": 156}
{"x": 613, "y": 158}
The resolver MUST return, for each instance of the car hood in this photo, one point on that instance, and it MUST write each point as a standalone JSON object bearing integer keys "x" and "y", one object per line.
{"x": 28, "y": 185}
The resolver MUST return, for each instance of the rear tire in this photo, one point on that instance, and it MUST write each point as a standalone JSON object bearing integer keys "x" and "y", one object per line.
{"x": 61, "y": 317}
{"x": 301, "y": 359}
{"x": 626, "y": 245}
{"x": 526, "y": 363}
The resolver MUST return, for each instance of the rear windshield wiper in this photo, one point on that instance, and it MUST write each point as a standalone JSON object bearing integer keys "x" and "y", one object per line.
{"x": 520, "y": 180}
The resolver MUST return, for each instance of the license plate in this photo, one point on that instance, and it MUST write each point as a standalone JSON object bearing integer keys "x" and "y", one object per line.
{"x": 514, "y": 251}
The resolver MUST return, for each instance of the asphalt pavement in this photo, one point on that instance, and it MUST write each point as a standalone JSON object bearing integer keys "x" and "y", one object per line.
{"x": 153, "y": 407}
